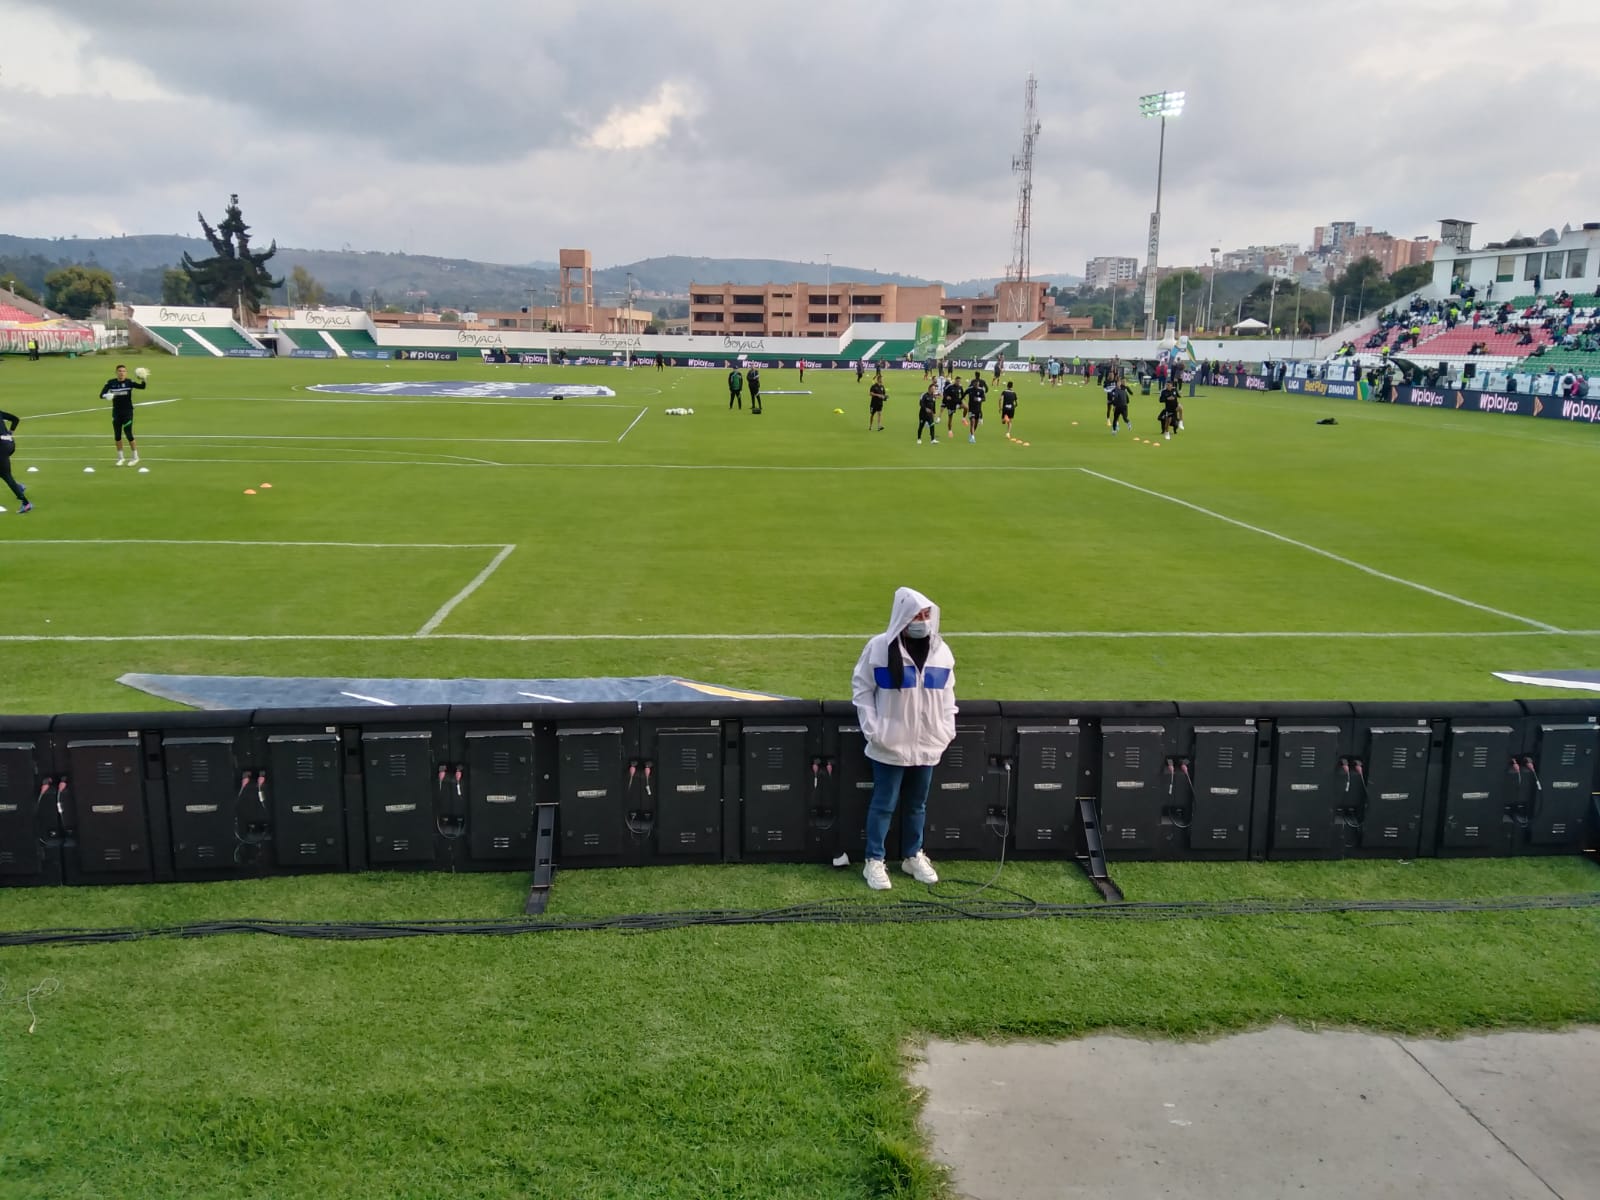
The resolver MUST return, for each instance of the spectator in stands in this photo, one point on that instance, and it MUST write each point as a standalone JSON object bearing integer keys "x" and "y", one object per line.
{"x": 1526, "y": 339}
{"x": 1538, "y": 284}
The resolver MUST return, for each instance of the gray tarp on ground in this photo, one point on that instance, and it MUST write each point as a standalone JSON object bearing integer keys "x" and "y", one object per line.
{"x": 268, "y": 691}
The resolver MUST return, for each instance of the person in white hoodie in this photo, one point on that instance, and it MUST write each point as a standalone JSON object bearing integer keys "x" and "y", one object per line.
{"x": 905, "y": 695}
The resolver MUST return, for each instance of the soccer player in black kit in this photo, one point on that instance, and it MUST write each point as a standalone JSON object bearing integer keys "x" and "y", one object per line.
{"x": 1008, "y": 407}
{"x": 8, "y": 443}
{"x": 953, "y": 392}
{"x": 1171, "y": 414}
{"x": 975, "y": 397}
{"x": 119, "y": 390}
{"x": 928, "y": 414}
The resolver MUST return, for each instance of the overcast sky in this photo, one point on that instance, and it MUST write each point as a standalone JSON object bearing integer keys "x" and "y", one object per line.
{"x": 879, "y": 131}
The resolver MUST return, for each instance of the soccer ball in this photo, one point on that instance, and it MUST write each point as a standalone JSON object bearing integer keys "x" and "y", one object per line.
{"x": 142, "y": 372}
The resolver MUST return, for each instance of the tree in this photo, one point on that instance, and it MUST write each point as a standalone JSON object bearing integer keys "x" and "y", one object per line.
{"x": 304, "y": 289}
{"x": 1360, "y": 289}
{"x": 77, "y": 291}
{"x": 354, "y": 298}
{"x": 1189, "y": 284}
{"x": 14, "y": 285}
{"x": 235, "y": 274}
{"x": 1409, "y": 279}
{"x": 175, "y": 287}
{"x": 450, "y": 316}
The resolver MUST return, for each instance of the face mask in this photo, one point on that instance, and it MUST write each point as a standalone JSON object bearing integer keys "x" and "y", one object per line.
{"x": 917, "y": 629}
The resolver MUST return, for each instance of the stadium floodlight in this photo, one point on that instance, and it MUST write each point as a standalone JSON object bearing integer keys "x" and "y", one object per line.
{"x": 1161, "y": 105}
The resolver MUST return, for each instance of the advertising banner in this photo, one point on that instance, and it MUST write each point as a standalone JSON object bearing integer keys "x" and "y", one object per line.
{"x": 297, "y": 353}
{"x": 1510, "y": 404}
{"x": 930, "y": 336}
{"x": 1344, "y": 390}
{"x": 370, "y": 353}
{"x": 246, "y": 352}
{"x": 428, "y": 355}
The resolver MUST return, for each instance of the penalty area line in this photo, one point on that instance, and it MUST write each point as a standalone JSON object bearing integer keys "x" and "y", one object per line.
{"x": 74, "y": 412}
{"x": 1338, "y": 558}
{"x": 478, "y": 581}
{"x": 632, "y": 423}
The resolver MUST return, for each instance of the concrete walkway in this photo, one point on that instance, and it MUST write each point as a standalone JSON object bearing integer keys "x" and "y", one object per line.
{"x": 1268, "y": 1115}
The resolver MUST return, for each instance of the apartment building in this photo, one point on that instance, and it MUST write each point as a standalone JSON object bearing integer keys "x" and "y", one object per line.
{"x": 1110, "y": 271}
{"x": 805, "y": 310}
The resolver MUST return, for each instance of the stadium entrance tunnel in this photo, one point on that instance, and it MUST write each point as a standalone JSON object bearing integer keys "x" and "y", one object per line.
{"x": 238, "y": 793}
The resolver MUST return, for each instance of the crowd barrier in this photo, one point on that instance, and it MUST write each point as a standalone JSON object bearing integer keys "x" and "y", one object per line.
{"x": 146, "y": 797}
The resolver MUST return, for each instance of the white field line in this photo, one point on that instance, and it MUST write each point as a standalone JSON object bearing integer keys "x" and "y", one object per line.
{"x": 1338, "y": 558}
{"x": 478, "y": 581}
{"x": 74, "y": 412}
{"x": 369, "y": 699}
{"x": 219, "y": 542}
{"x": 184, "y": 460}
{"x": 316, "y": 437}
{"x": 1079, "y": 634}
{"x": 632, "y": 423}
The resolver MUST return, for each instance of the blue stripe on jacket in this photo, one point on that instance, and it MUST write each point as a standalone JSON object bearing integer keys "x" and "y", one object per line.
{"x": 933, "y": 678}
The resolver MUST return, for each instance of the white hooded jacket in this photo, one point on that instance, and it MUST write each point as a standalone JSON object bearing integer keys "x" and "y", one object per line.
{"x": 909, "y": 725}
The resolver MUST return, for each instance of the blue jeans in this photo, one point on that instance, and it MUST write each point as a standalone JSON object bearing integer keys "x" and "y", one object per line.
{"x": 890, "y": 785}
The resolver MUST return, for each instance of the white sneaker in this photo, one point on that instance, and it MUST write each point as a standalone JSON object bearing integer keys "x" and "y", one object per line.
{"x": 134, "y": 461}
{"x": 876, "y": 875}
{"x": 121, "y": 461}
{"x": 920, "y": 869}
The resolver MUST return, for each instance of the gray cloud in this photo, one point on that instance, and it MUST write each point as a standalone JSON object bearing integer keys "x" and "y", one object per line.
{"x": 881, "y": 133}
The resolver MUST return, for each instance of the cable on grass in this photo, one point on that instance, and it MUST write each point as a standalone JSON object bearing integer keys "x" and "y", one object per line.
{"x": 817, "y": 912}
{"x": 48, "y": 986}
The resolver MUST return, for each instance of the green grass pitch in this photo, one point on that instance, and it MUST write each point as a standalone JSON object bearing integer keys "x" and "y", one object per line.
{"x": 1397, "y": 555}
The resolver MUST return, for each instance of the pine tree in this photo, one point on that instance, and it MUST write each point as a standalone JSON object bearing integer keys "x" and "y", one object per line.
{"x": 235, "y": 275}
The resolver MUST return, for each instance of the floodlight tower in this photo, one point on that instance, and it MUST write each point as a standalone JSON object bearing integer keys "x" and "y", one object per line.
{"x": 1022, "y": 231}
{"x": 1162, "y": 105}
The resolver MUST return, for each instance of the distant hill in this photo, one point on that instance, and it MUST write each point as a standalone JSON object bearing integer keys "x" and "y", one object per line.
{"x": 420, "y": 279}
{"x": 982, "y": 287}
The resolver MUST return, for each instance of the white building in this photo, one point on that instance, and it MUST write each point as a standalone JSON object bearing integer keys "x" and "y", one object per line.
{"x": 1571, "y": 264}
{"x": 1110, "y": 271}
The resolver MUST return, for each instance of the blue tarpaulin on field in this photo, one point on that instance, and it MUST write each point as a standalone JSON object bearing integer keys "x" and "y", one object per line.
{"x": 271, "y": 691}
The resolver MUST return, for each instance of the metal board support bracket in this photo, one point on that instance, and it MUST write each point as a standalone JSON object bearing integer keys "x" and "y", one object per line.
{"x": 544, "y": 858}
{"x": 1093, "y": 859}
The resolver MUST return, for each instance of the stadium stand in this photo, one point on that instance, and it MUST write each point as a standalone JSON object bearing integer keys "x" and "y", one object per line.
{"x": 225, "y": 339}
{"x": 303, "y": 339}
{"x": 353, "y": 339}
{"x": 10, "y": 312}
{"x": 1458, "y": 342}
{"x": 894, "y": 351}
{"x": 981, "y": 349}
{"x": 856, "y": 348}
{"x": 182, "y": 341}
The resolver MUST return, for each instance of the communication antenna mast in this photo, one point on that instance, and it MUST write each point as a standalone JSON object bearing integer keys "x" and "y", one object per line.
{"x": 1022, "y": 233}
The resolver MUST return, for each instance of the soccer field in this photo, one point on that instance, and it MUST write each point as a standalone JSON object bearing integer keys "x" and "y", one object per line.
{"x": 1398, "y": 555}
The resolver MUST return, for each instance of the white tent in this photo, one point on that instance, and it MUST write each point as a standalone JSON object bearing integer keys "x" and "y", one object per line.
{"x": 1249, "y": 325}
